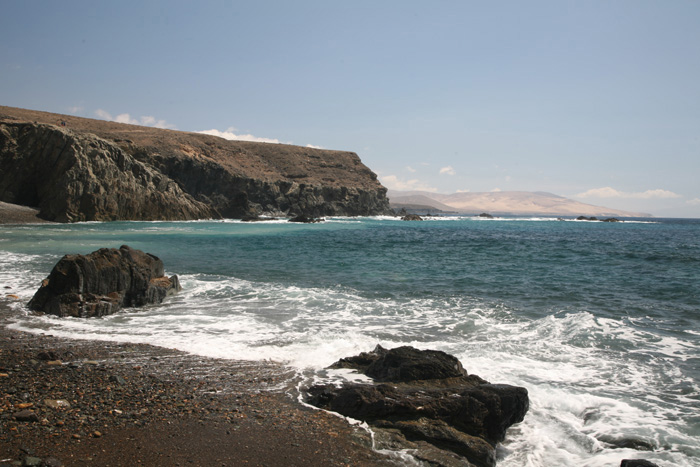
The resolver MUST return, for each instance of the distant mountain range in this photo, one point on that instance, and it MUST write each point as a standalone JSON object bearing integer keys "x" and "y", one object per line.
{"x": 502, "y": 203}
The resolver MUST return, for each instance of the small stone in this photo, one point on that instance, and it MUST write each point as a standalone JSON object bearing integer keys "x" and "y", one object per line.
{"x": 117, "y": 379}
{"x": 31, "y": 461}
{"x": 91, "y": 362}
{"x": 47, "y": 355}
{"x": 57, "y": 403}
{"x": 26, "y": 416}
{"x": 52, "y": 462}
{"x": 97, "y": 434}
{"x": 54, "y": 363}
{"x": 4, "y": 375}
{"x": 76, "y": 436}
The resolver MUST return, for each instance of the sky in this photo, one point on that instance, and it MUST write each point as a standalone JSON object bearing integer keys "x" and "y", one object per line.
{"x": 598, "y": 101}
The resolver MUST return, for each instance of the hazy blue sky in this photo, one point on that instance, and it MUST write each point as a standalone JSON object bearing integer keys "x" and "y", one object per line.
{"x": 594, "y": 100}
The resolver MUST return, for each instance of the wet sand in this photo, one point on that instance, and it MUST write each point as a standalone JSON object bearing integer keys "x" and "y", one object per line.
{"x": 73, "y": 402}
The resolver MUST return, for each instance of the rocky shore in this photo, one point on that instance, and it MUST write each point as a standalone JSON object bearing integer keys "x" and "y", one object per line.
{"x": 66, "y": 402}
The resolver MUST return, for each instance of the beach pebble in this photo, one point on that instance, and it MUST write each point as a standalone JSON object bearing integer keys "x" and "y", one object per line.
{"x": 117, "y": 379}
{"x": 26, "y": 416}
{"x": 47, "y": 355}
{"x": 57, "y": 403}
{"x": 30, "y": 461}
{"x": 52, "y": 462}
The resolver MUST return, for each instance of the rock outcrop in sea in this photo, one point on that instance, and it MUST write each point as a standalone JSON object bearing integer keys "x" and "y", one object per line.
{"x": 425, "y": 400}
{"x": 76, "y": 169}
{"x": 103, "y": 282}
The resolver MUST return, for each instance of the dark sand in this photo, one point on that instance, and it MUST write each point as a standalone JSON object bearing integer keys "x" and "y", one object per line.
{"x": 135, "y": 404}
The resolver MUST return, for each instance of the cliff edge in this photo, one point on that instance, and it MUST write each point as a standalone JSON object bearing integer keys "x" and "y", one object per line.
{"x": 77, "y": 169}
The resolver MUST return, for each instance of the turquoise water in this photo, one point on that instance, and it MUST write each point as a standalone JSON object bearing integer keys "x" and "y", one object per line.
{"x": 600, "y": 321}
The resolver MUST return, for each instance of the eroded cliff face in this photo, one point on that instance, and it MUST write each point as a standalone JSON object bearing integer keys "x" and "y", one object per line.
{"x": 72, "y": 177}
{"x": 76, "y": 169}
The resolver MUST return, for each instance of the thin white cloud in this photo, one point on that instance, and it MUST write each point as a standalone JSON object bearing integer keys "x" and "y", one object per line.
{"x": 314, "y": 146}
{"x": 75, "y": 109}
{"x": 410, "y": 169}
{"x": 146, "y": 120}
{"x": 694, "y": 202}
{"x": 393, "y": 182}
{"x": 464, "y": 191}
{"x": 447, "y": 170}
{"x": 230, "y": 135}
{"x": 103, "y": 114}
{"x": 609, "y": 192}
{"x": 496, "y": 190}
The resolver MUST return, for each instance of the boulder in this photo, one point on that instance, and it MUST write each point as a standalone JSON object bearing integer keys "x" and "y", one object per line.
{"x": 103, "y": 282}
{"x": 404, "y": 364}
{"x": 486, "y": 215}
{"x": 411, "y": 217}
{"x": 430, "y": 399}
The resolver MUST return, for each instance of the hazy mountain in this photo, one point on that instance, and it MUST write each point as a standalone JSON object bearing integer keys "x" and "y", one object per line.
{"x": 507, "y": 203}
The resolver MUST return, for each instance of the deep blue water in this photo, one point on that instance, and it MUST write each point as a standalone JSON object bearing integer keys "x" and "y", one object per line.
{"x": 600, "y": 321}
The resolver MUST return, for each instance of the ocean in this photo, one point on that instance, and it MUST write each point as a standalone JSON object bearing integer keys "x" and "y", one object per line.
{"x": 599, "y": 321}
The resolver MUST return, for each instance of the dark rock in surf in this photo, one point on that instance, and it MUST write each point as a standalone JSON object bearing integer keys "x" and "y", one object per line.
{"x": 404, "y": 364}
{"x": 486, "y": 215}
{"x": 103, "y": 282}
{"x": 637, "y": 463}
{"x": 431, "y": 399}
{"x": 411, "y": 217}
{"x": 305, "y": 219}
{"x": 611, "y": 219}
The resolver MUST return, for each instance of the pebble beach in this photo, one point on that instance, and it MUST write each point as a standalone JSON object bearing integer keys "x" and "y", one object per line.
{"x": 74, "y": 402}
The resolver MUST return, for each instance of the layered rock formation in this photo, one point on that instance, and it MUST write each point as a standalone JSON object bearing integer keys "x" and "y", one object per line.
{"x": 103, "y": 282}
{"x": 76, "y": 169}
{"x": 430, "y": 404}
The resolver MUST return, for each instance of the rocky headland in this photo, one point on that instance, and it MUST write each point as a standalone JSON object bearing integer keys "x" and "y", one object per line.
{"x": 76, "y": 169}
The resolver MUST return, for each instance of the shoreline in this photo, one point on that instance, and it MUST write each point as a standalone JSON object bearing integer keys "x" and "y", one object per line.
{"x": 114, "y": 404}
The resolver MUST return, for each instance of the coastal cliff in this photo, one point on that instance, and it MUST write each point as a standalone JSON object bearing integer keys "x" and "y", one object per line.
{"x": 76, "y": 169}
